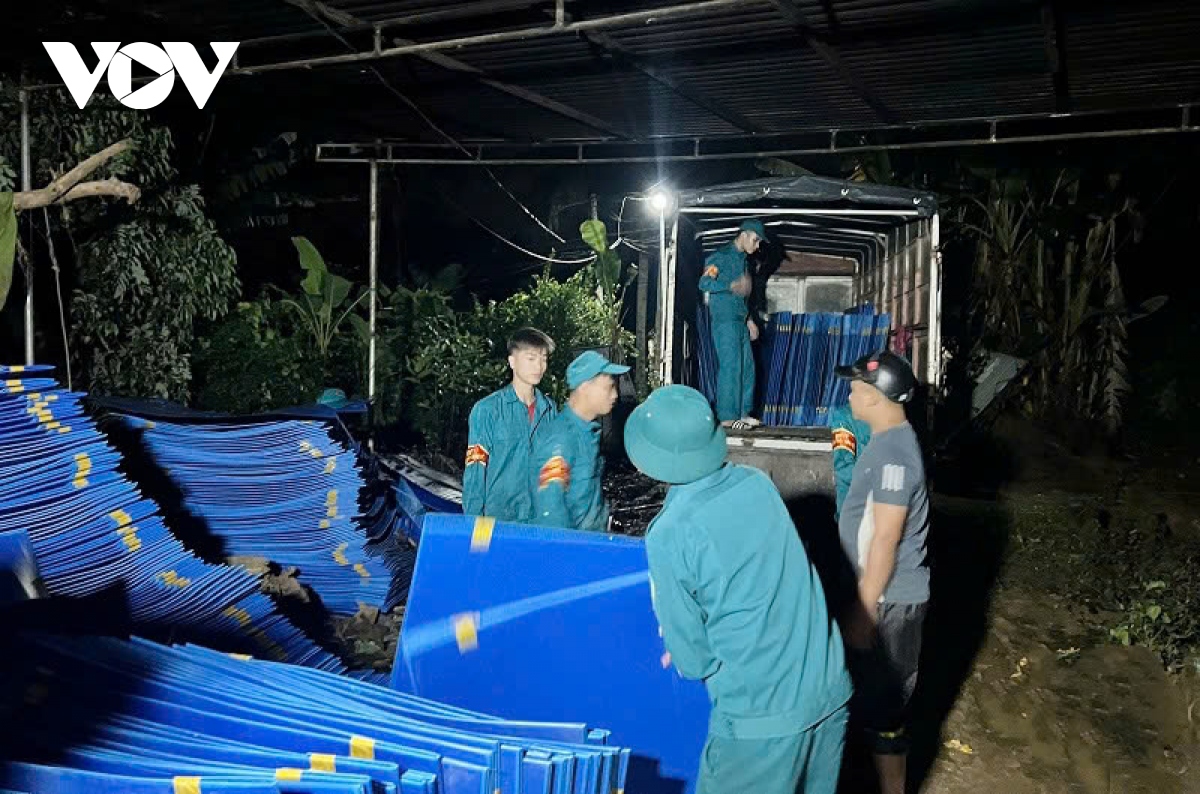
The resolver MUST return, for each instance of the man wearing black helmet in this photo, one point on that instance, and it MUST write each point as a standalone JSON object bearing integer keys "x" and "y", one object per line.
{"x": 883, "y": 526}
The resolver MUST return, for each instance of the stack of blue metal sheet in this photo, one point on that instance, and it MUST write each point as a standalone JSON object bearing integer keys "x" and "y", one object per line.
{"x": 100, "y": 715}
{"x": 90, "y": 529}
{"x": 803, "y": 351}
{"x": 286, "y": 490}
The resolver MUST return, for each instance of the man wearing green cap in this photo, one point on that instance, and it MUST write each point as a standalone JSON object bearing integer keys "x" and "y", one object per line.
{"x": 567, "y": 465}
{"x": 740, "y": 607}
{"x": 725, "y": 284}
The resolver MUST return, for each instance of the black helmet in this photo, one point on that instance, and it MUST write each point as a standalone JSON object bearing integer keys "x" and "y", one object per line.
{"x": 887, "y": 372}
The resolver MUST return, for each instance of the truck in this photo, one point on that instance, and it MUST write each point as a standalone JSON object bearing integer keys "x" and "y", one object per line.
{"x": 836, "y": 246}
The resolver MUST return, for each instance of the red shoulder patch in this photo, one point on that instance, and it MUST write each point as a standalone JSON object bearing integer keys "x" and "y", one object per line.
{"x": 555, "y": 470}
{"x": 477, "y": 453}
{"x": 844, "y": 440}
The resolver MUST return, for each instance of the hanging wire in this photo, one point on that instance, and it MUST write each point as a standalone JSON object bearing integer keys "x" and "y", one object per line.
{"x": 432, "y": 124}
{"x": 62, "y": 315}
{"x": 508, "y": 242}
{"x": 620, "y": 217}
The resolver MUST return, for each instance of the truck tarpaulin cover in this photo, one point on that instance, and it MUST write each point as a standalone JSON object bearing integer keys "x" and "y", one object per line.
{"x": 550, "y": 625}
{"x": 810, "y": 189}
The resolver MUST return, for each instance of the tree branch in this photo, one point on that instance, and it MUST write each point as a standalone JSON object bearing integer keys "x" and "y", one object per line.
{"x": 68, "y": 188}
{"x": 115, "y": 188}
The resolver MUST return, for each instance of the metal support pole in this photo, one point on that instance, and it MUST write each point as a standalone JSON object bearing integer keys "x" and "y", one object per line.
{"x": 27, "y": 184}
{"x": 661, "y": 323}
{"x": 672, "y": 256}
{"x": 643, "y": 297}
{"x": 373, "y": 271}
{"x": 934, "y": 374}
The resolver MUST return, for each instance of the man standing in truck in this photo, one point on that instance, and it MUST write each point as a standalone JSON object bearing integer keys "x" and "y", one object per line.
{"x": 883, "y": 527}
{"x": 740, "y": 606}
{"x": 567, "y": 465}
{"x": 502, "y": 430}
{"x": 724, "y": 285}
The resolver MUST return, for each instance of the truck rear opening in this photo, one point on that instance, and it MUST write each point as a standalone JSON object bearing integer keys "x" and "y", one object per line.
{"x": 852, "y": 268}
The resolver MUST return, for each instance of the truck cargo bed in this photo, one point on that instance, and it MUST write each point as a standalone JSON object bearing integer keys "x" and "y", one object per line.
{"x": 798, "y": 459}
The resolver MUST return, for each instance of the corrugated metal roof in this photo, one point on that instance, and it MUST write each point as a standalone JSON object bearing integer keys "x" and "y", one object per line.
{"x": 892, "y": 60}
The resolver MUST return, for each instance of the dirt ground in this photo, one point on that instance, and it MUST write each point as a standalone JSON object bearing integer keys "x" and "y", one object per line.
{"x": 1050, "y": 703}
{"x": 1023, "y": 689}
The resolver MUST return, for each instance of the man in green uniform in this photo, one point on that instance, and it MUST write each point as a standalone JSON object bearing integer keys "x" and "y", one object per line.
{"x": 724, "y": 285}
{"x": 567, "y": 463}
{"x": 850, "y": 438}
{"x": 501, "y": 432}
{"x": 740, "y": 607}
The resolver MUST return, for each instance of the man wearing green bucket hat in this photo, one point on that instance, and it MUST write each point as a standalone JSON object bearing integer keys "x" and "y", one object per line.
{"x": 567, "y": 465}
{"x": 740, "y": 607}
{"x": 724, "y": 285}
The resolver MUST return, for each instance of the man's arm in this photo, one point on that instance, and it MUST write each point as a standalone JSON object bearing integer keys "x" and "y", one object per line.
{"x": 845, "y": 454}
{"x": 553, "y": 471}
{"x": 881, "y": 558}
{"x": 719, "y": 272}
{"x": 479, "y": 451}
{"x": 679, "y": 616}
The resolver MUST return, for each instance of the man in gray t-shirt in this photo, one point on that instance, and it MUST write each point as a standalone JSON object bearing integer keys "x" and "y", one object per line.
{"x": 883, "y": 526}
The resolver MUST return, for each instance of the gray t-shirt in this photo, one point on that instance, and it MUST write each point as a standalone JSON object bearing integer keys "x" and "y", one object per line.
{"x": 890, "y": 471}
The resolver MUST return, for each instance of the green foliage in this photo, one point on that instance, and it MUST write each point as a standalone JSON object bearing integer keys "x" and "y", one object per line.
{"x": 1047, "y": 286}
{"x": 146, "y": 275}
{"x": 142, "y": 288}
{"x": 433, "y": 363}
{"x": 1117, "y": 560}
{"x": 256, "y": 360}
{"x": 246, "y": 191}
{"x": 319, "y": 308}
{"x": 606, "y": 270}
{"x": 569, "y": 311}
{"x": 1164, "y": 616}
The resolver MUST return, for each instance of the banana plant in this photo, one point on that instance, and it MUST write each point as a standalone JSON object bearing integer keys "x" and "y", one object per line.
{"x": 322, "y": 297}
{"x": 607, "y": 267}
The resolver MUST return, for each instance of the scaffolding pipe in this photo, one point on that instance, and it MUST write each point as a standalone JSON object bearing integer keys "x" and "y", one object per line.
{"x": 792, "y": 211}
{"x": 763, "y": 153}
{"x": 26, "y": 185}
{"x": 663, "y": 341}
{"x": 373, "y": 277}
{"x": 628, "y": 19}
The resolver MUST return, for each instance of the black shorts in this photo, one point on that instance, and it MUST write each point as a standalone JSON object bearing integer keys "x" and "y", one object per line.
{"x": 885, "y": 676}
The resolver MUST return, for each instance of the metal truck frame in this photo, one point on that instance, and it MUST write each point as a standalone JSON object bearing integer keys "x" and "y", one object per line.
{"x": 891, "y": 235}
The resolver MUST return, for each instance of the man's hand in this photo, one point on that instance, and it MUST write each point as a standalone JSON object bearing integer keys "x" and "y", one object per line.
{"x": 859, "y": 627}
{"x": 753, "y": 329}
{"x": 666, "y": 660}
{"x": 741, "y": 285}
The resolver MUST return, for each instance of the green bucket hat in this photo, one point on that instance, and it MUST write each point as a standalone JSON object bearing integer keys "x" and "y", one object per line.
{"x": 334, "y": 398}
{"x": 674, "y": 437}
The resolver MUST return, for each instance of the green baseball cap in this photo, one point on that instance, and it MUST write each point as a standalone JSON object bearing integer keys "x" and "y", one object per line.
{"x": 756, "y": 226}
{"x": 588, "y": 365}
